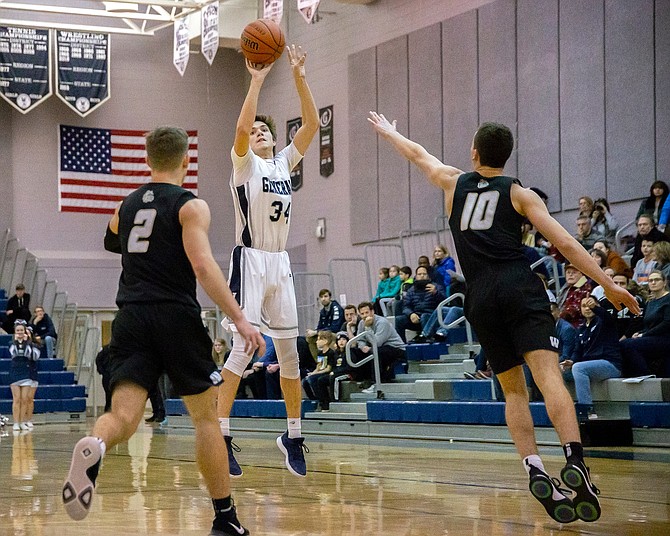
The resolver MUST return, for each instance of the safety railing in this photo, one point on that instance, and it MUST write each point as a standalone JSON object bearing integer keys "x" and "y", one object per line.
{"x": 458, "y": 321}
{"x": 552, "y": 267}
{"x": 370, "y": 338}
{"x": 623, "y": 231}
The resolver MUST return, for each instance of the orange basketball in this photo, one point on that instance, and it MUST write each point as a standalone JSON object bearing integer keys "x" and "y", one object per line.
{"x": 262, "y": 41}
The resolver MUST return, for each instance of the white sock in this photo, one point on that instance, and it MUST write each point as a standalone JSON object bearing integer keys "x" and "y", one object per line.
{"x": 535, "y": 460}
{"x": 294, "y": 428}
{"x": 224, "y": 424}
{"x": 103, "y": 447}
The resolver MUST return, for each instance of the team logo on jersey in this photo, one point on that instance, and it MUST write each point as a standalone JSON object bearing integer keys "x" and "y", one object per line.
{"x": 482, "y": 184}
{"x": 148, "y": 196}
{"x": 216, "y": 378}
{"x": 554, "y": 342}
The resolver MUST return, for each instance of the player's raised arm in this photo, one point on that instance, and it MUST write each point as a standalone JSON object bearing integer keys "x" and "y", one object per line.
{"x": 529, "y": 204}
{"x": 248, "y": 112}
{"x": 308, "y": 111}
{"x": 195, "y": 217}
{"x": 438, "y": 173}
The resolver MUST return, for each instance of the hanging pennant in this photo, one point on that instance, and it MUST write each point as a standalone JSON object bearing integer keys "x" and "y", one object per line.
{"x": 326, "y": 154}
{"x": 82, "y": 67}
{"x": 181, "y": 42}
{"x": 308, "y": 9}
{"x": 209, "y": 38}
{"x": 292, "y": 126}
{"x": 25, "y": 77}
{"x": 273, "y": 9}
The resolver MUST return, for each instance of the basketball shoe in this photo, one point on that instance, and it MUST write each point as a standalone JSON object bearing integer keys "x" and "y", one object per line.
{"x": 293, "y": 450}
{"x": 79, "y": 487}
{"x": 546, "y": 490}
{"x": 226, "y": 523}
{"x": 234, "y": 469}
{"x": 576, "y": 476}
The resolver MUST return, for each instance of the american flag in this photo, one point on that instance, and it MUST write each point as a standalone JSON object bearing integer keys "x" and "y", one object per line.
{"x": 100, "y": 167}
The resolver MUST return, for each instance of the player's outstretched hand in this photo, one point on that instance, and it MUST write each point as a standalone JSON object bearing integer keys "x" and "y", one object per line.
{"x": 381, "y": 124}
{"x": 296, "y": 59}
{"x": 620, "y": 297}
{"x": 258, "y": 70}
{"x": 253, "y": 340}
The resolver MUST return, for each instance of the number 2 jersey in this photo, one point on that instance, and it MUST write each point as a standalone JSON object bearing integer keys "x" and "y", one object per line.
{"x": 155, "y": 265}
{"x": 485, "y": 226}
{"x": 262, "y": 198}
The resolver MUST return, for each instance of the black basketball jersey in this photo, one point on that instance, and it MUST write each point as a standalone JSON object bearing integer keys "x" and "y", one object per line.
{"x": 155, "y": 265}
{"x": 485, "y": 226}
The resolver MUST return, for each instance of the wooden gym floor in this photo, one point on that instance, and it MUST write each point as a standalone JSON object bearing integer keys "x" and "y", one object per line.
{"x": 151, "y": 486}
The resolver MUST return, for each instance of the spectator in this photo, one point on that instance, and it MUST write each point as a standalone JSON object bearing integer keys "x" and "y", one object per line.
{"x": 566, "y": 335}
{"x": 330, "y": 319}
{"x": 329, "y": 385}
{"x": 655, "y": 203}
{"x": 626, "y": 323}
{"x": 18, "y": 308}
{"x": 23, "y": 376}
{"x": 324, "y": 364}
{"x": 586, "y": 236}
{"x": 527, "y": 234}
{"x": 388, "y": 287}
{"x": 390, "y": 347}
{"x": 570, "y": 296}
{"x": 432, "y": 331}
{"x": 613, "y": 259}
{"x": 600, "y": 257}
{"x": 406, "y": 282}
{"x": 220, "y": 352}
{"x": 44, "y": 331}
{"x": 443, "y": 264}
{"x": 662, "y": 257}
{"x": 351, "y": 320}
{"x": 602, "y": 220}
{"x": 646, "y": 264}
{"x": 434, "y": 276}
{"x": 646, "y": 352}
{"x": 586, "y": 206}
{"x": 419, "y": 303}
{"x": 646, "y": 230}
{"x": 597, "y": 357}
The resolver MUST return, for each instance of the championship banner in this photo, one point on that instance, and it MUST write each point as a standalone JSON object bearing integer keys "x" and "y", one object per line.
{"x": 209, "y": 25}
{"x": 82, "y": 66}
{"x": 273, "y": 9}
{"x": 25, "y": 77}
{"x": 181, "y": 42}
{"x": 326, "y": 154}
{"x": 99, "y": 167}
{"x": 308, "y": 9}
{"x": 292, "y": 126}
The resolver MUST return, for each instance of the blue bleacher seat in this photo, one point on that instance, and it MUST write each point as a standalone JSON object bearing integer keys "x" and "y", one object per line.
{"x": 650, "y": 414}
{"x": 471, "y": 390}
{"x": 246, "y": 408}
{"x": 5, "y": 340}
{"x": 426, "y": 352}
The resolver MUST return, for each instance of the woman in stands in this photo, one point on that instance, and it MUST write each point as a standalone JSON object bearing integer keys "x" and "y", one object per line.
{"x": 23, "y": 376}
{"x": 597, "y": 356}
{"x": 443, "y": 264}
{"x": 654, "y": 204}
{"x": 646, "y": 352}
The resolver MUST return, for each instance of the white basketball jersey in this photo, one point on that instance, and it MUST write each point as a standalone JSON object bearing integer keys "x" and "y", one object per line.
{"x": 262, "y": 197}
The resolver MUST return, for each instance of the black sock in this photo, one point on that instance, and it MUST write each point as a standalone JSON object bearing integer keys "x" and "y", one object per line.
{"x": 574, "y": 452}
{"x": 222, "y": 506}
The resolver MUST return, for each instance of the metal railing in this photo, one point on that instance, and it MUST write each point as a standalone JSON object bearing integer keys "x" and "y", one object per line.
{"x": 374, "y": 357}
{"x": 458, "y": 321}
{"x": 555, "y": 278}
{"x": 621, "y": 232}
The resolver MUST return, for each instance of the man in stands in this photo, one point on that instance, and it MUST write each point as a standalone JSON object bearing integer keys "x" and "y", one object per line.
{"x": 418, "y": 304}
{"x": 330, "y": 319}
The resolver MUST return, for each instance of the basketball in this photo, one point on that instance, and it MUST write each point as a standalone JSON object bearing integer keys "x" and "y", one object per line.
{"x": 262, "y": 41}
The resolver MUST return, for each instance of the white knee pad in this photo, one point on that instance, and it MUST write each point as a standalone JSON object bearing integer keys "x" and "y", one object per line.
{"x": 287, "y": 355}
{"x": 238, "y": 359}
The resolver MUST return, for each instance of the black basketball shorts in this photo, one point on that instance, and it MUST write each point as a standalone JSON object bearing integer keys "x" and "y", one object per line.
{"x": 149, "y": 339}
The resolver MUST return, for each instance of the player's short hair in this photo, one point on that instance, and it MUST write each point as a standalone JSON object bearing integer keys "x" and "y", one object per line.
{"x": 494, "y": 143}
{"x": 166, "y": 148}
{"x": 324, "y": 291}
{"x": 270, "y": 124}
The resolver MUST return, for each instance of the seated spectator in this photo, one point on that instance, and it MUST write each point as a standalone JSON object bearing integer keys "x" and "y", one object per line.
{"x": 324, "y": 364}
{"x": 390, "y": 347}
{"x": 600, "y": 257}
{"x": 527, "y": 234}
{"x": 533, "y": 256}
{"x": 220, "y": 352}
{"x": 662, "y": 257}
{"x": 406, "y": 282}
{"x": 351, "y": 320}
{"x": 586, "y": 236}
{"x": 330, "y": 319}
{"x": 18, "y": 308}
{"x": 646, "y": 264}
{"x": 432, "y": 331}
{"x": 44, "y": 332}
{"x": 328, "y": 385}
{"x": 268, "y": 367}
{"x": 443, "y": 264}
{"x": 586, "y": 206}
{"x": 613, "y": 259}
{"x": 646, "y": 352}
{"x": 306, "y": 361}
{"x": 626, "y": 322}
{"x": 388, "y": 287}
{"x": 570, "y": 296}
{"x": 646, "y": 230}
{"x": 602, "y": 220}
{"x": 597, "y": 357}
{"x": 253, "y": 381}
{"x": 655, "y": 203}
{"x": 419, "y": 303}
{"x": 434, "y": 275}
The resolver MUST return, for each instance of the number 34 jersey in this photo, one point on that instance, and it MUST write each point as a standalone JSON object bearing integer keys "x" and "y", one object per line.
{"x": 262, "y": 197}
{"x": 155, "y": 265}
{"x": 485, "y": 225}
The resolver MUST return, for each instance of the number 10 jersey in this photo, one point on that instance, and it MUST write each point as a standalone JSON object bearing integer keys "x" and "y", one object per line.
{"x": 262, "y": 197}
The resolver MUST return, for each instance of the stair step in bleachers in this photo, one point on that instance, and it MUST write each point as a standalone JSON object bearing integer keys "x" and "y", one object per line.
{"x": 440, "y": 371}
{"x": 650, "y": 414}
{"x": 246, "y": 408}
{"x": 43, "y": 365}
{"x": 426, "y": 352}
{"x": 342, "y": 411}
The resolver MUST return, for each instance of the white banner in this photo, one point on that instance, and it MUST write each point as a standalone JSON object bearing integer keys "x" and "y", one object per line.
{"x": 180, "y": 55}
{"x": 273, "y": 9}
{"x": 209, "y": 24}
{"x": 308, "y": 9}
